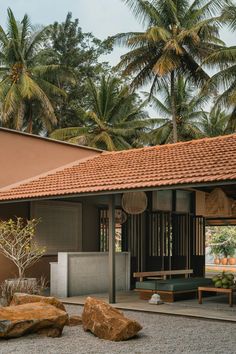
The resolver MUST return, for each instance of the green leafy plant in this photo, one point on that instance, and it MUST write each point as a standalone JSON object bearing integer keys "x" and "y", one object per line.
{"x": 223, "y": 241}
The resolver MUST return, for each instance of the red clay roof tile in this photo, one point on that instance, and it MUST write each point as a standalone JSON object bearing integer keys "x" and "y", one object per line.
{"x": 193, "y": 162}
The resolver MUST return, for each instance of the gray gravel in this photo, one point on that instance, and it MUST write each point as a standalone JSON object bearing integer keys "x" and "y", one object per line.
{"x": 160, "y": 334}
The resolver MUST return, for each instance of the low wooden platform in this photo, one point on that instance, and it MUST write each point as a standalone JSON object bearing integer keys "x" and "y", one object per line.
{"x": 166, "y": 296}
{"x": 229, "y": 292}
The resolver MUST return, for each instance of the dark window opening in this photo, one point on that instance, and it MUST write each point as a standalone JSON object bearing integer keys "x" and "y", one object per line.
{"x": 104, "y": 229}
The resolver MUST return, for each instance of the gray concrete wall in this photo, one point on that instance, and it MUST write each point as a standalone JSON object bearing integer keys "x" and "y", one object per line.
{"x": 84, "y": 273}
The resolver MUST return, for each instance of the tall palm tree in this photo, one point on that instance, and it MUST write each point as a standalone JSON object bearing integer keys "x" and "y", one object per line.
{"x": 25, "y": 84}
{"x": 225, "y": 79}
{"x": 189, "y": 111}
{"x": 113, "y": 121}
{"x": 178, "y": 36}
{"x": 214, "y": 123}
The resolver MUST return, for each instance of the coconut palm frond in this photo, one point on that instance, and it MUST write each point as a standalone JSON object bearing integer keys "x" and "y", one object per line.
{"x": 113, "y": 120}
{"x": 26, "y": 87}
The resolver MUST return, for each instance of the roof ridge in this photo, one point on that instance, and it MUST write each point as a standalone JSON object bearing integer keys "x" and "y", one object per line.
{"x": 171, "y": 145}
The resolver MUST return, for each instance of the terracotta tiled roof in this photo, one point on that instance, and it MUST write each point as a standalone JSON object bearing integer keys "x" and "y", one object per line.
{"x": 193, "y": 162}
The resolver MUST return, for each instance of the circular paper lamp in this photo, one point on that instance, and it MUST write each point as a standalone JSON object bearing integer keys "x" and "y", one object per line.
{"x": 134, "y": 202}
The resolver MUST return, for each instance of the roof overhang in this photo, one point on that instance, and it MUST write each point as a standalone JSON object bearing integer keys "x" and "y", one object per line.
{"x": 121, "y": 191}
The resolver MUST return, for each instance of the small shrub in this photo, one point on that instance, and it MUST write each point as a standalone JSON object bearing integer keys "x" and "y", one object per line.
{"x": 9, "y": 287}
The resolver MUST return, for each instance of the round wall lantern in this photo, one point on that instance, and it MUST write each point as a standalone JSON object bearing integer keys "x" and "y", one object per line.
{"x": 120, "y": 216}
{"x": 134, "y": 202}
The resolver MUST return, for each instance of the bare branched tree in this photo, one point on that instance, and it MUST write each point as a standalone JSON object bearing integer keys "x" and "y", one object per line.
{"x": 17, "y": 243}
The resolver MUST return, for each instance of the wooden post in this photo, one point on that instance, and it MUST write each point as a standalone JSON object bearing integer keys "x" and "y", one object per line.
{"x": 111, "y": 262}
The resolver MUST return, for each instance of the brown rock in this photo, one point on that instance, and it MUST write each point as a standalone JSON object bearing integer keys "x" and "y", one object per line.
{"x": 74, "y": 321}
{"x": 50, "y": 332}
{"x": 38, "y": 317}
{"x": 106, "y": 322}
{"x": 21, "y": 298}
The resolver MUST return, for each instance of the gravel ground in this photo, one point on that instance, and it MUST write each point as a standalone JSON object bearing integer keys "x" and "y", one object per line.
{"x": 160, "y": 334}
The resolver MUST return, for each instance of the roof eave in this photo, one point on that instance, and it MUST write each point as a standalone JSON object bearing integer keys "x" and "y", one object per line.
{"x": 120, "y": 191}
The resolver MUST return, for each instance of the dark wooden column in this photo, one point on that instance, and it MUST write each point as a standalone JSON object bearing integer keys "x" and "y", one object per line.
{"x": 111, "y": 262}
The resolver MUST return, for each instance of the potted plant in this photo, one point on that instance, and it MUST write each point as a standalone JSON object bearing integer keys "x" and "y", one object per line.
{"x": 232, "y": 259}
{"x": 18, "y": 244}
{"x": 227, "y": 249}
{"x": 215, "y": 251}
{"x": 223, "y": 243}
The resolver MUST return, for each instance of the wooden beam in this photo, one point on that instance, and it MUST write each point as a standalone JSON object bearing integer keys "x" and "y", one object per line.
{"x": 111, "y": 262}
{"x": 162, "y": 273}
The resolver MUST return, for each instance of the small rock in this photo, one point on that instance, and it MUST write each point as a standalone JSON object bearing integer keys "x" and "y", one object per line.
{"x": 50, "y": 332}
{"x": 22, "y": 298}
{"x": 74, "y": 321}
{"x": 106, "y": 322}
{"x": 38, "y": 317}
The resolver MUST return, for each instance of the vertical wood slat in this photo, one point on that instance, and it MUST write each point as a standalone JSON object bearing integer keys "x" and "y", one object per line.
{"x": 154, "y": 226}
{"x": 104, "y": 230}
{"x": 111, "y": 252}
{"x": 138, "y": 242}
{"x": 169, "y": 242}
{"x": 149, "y": 234}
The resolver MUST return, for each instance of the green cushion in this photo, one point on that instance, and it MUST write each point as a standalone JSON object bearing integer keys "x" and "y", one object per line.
{"x": 147, "y": 285}
{"x": 174, "y": 284}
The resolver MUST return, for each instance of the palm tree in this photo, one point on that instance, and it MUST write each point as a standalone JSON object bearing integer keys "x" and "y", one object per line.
{"x": 189, "y": 111}
{"x": 226, "y": 79}
{"x": 214, "y": 123}
{"x": 179, "y": 35}
{"x": 25, "y": 84}
{"x": 113, "y": 121}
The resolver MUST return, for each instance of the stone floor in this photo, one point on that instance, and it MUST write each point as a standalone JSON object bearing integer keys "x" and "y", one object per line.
{"x": 214, "y": 307}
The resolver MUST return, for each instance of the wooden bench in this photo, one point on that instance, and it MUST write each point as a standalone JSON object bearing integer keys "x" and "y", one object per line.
{"x": 168, "y": 289}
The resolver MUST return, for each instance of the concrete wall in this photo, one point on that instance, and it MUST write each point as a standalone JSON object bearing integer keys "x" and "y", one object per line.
{"x": 83, "y": 273}
{"x": 24, "y": 156}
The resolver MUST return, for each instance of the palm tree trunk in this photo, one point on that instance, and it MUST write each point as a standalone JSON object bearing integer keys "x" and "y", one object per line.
{"x": 173, "y": 106}
{"x": 30, "y": 124}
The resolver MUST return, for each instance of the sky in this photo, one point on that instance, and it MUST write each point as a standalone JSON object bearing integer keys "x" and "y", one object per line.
{"x": 101, "y": 17}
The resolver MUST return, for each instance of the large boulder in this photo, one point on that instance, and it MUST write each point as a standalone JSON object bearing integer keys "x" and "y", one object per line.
{"x": 106, "y": 322}
{"x": 38, "y": 317}
{"x": 22, "y": 298}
